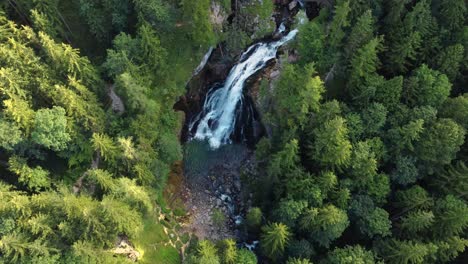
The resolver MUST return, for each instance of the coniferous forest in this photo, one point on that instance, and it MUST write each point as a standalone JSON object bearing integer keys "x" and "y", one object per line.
{"x": 354, "y": 139}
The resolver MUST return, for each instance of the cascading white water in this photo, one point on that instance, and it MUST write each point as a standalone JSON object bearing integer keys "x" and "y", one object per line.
{"x": 216, "y": 122}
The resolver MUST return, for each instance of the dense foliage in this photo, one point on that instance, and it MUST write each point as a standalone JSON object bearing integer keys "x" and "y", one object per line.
{"x": 366, "y": 161}
{"x": 367, "y": 158}
{"x": 81, "y": 169}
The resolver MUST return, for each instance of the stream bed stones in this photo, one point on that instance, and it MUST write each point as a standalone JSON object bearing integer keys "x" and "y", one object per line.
{"x": 214, "y": 190}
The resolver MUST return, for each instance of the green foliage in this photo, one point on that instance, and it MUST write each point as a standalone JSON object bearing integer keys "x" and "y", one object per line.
{"x": 456, "y": 109}
{"x": 105, "y": 145}
{"x": 298, "y": 92}
{"x": 426, "y": 87}
{"x": 452, "y": 14}
{"x": 218, "y": 218}
{"x": 50, "y": 129}
{"x": 105, "y": 16}
{"x": 298, "y": 261}
{"x": 339, "y": 23}
{"x": 407, "y": 251}
{"x": 449, "y": 249}
{"x": 381, "y": 106}
{"x": 253, "y": 218}
{"x": 406, "y": 171}
{"x": 288, "y": 211}
{"x": 440, "y": 142}
{"x": 229, "y": 252}
{"x": 310, "y": 42}
{"x": 451, "y": 216}
{"x": 363, "y": 78}
{"x": 324, "y": 224}
{"x": 417, "y": 221}
{"x": 274, "y": 239}
{"x": 452, "y": 180}
{"x": 245, "y": 256}
{"x": 449, "y": 61}
{"x": 196, "y": 15}
{"x": 300, "y": 249}
{"x": 361, "y": 33}
{"x": 10, "y": 134}
{"x": 34, "y": 178}
{"x": 350, "y": 255}
{"x": 332, "y": 147}
{"x": 371, "y": 221}
{"x": 413, "y": 198}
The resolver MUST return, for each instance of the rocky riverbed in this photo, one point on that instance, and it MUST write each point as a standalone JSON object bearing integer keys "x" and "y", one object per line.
{"x": 215, "y": 200}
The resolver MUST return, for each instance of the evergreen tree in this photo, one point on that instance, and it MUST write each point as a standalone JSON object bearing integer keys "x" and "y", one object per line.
{"x": 452, "y": 14}
{"x": 229, "y": 251}
{"x": 456, "y": 109}
{"x": 332, "y": 147}
{"x": 246, "y": 256}
{"x": 417, "y": 221}
{"x": 274, "y": 239}
{"x": 426, "y": 87}
{"x": 350, "y": 255}
{"x": 324, "y": 224}
{"x": 404, "y": 252}
{"x": 361, "y": 33}
{"x": 339, "y": 23}
{"x": 440, "y": 142}
{"x": 451, "y": 216}
{"x": 452, "y": 180}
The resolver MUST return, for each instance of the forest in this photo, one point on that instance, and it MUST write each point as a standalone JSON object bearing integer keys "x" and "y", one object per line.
{"x": 362, "y": 155}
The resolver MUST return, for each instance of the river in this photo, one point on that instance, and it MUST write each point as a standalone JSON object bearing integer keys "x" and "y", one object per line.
{"x": 213, "y": 162}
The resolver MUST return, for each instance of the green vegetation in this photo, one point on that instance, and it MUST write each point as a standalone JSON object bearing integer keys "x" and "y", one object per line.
{"x": 365, "y": 160}
{"x": 369, "y": 166}
{"x": 77, "y": 176}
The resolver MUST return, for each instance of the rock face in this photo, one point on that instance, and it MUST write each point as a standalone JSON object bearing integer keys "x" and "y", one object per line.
{"x": 117, "y": 104}
{"x": 124, "y": 247}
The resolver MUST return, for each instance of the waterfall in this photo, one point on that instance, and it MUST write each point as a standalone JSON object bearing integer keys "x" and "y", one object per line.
{"x": 216, "y": 121}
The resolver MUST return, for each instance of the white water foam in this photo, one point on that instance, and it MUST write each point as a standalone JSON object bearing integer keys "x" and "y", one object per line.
{"x": 216, "y": 122}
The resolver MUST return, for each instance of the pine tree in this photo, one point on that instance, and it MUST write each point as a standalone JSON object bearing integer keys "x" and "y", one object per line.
{"x": 246, "y": 256}
{"x": 417, "y": 221}
{"x": 363, "y": 80}
{"x": 274, "y": 239}
{"x": 298, "y": 261}
{"x": 324, "y": 224}
{"x": 450, "y": 60}
{"x": 451, "y": 216}
{"x": 332, "y": 147}
{"x": 415, "y": 197}
{"x": 452, "y": 180}
{"x": 350, "y": 255}
{"x": 196, "y": 14}
{"x": 440, "y": 142}
{"x": 452, "y": 14}
{"x": 426, "y": 87}
{"x": 450, "y": 248}
{"x": 34, "y": 178}
{"x": 311, "y": 42}
{"x": 405, "y": 252}
{"x": 207, "y": 253}
{"x": 361, "y": 33}
{"x": 50, "y": 129}
{"x": 297, "y": 93}
{"x": 105, "y": 146}
{"x": 456, "y": 109}
{"x": 339, "y": 23}
{"x": 229, "y": 254}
